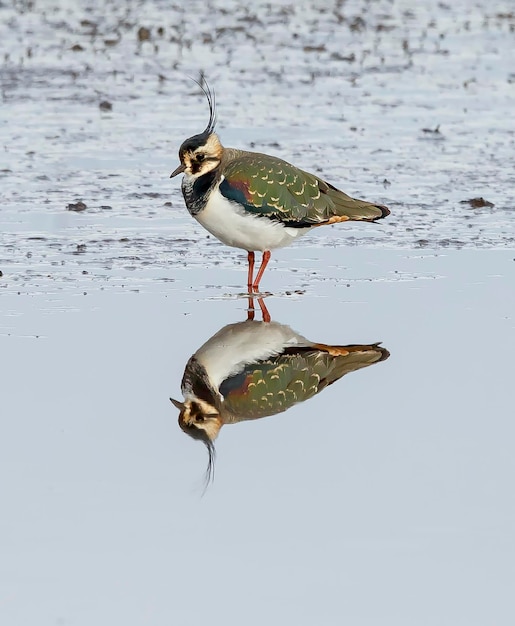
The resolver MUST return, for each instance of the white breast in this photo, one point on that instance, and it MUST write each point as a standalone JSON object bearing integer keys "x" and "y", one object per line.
{"x": 237, "y": 345}
{"x": 233, "y": 226}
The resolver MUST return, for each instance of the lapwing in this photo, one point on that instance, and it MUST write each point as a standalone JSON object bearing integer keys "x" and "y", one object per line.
{"x": 252, "y": 369}
{"x": 255, "y": 201}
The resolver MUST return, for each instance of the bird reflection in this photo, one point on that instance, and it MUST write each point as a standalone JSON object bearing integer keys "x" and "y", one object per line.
{"x": 254, "y": 369}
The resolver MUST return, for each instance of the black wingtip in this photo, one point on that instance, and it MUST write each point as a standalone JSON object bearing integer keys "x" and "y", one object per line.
{"x": 385, "y": 354}
{"x": 385, "y": 211}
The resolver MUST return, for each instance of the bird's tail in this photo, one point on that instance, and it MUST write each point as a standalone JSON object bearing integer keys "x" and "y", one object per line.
{"x": 347, "y": 208}
{"x": 368, "y": 212}
{"x": 342, "y": 360}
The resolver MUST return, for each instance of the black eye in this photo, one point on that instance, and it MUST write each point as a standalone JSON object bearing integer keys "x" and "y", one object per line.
{"x": 200, "y": 418}
{"x": 200, "y": 157}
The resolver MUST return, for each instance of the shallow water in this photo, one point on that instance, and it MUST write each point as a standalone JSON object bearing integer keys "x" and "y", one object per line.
{"x": 386, "y": 498}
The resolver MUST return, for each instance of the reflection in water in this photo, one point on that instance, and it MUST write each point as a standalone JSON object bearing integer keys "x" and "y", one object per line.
{"x": 253, "y": 369}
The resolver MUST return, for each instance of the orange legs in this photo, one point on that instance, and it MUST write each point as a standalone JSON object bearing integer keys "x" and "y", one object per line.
{"x": 250, "y": 258}
{"x": 264, "y": 311}
{"x": 253, "y": 286}
{"x": 264, "y": 262}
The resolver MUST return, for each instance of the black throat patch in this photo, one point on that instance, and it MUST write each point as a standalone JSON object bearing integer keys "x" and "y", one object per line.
{"x": 196, "y": 193}
{"x": 196, "y": 381}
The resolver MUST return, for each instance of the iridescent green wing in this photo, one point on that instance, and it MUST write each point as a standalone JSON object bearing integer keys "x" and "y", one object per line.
{"x": 270, "y": 187}
{"x": 274, "y": 385}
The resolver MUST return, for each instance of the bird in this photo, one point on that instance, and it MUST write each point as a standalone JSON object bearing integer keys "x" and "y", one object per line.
{"x": 253, "y": 369}
{"x": 255, "y": 201}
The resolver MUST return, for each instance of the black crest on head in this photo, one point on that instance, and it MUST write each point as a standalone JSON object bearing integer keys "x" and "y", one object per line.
{"x": 201, "y": 435}
{"x": 211, "y": 100}
{"x": 199, "y": 140}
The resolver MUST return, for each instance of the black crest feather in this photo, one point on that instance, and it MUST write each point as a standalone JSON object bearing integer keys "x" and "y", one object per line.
{"x": 211, "y": 100}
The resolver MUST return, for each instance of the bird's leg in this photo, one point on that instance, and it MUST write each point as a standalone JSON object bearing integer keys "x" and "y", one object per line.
{"x": 250, "y": 310}
{"x": 264, "y": 310}
{"x": 250, "y": 258}
{"x": 264, "y": 263}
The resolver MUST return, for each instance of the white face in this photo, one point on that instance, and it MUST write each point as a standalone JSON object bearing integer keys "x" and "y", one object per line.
{"x": 202, "y": 159}
{"x": 200, "y": 415}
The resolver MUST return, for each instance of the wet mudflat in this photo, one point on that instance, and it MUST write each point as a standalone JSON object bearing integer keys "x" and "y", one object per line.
{"x": 384, "y": 499}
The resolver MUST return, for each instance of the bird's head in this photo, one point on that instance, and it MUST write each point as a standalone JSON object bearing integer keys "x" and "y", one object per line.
{"x": 200, "y": 420}
{"x": 201, "y": 153}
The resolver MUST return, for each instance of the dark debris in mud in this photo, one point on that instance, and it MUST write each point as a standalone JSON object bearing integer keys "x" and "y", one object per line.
{"x": 77, "y": 206}
{"x": 432, "y": 131}
{"x": 478, "y": 203}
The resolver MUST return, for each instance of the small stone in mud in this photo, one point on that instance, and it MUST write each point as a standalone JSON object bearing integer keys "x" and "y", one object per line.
{"x": 106, "y": 207}
{"x": 432, "y": 131}
{"x": 81, "y": 248}
{"x": 167, "y": 204}
{"x": 77, "y": 48}
{"x": 143, "y": 34}
{"x": 477, "y": 203}
{"x": 358, "y": 24}
{"x": 1, "y": 273}
{"x": 77, "y": 206}
{"x": 350, "y": 58}
{"x": 105, "y": 106}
